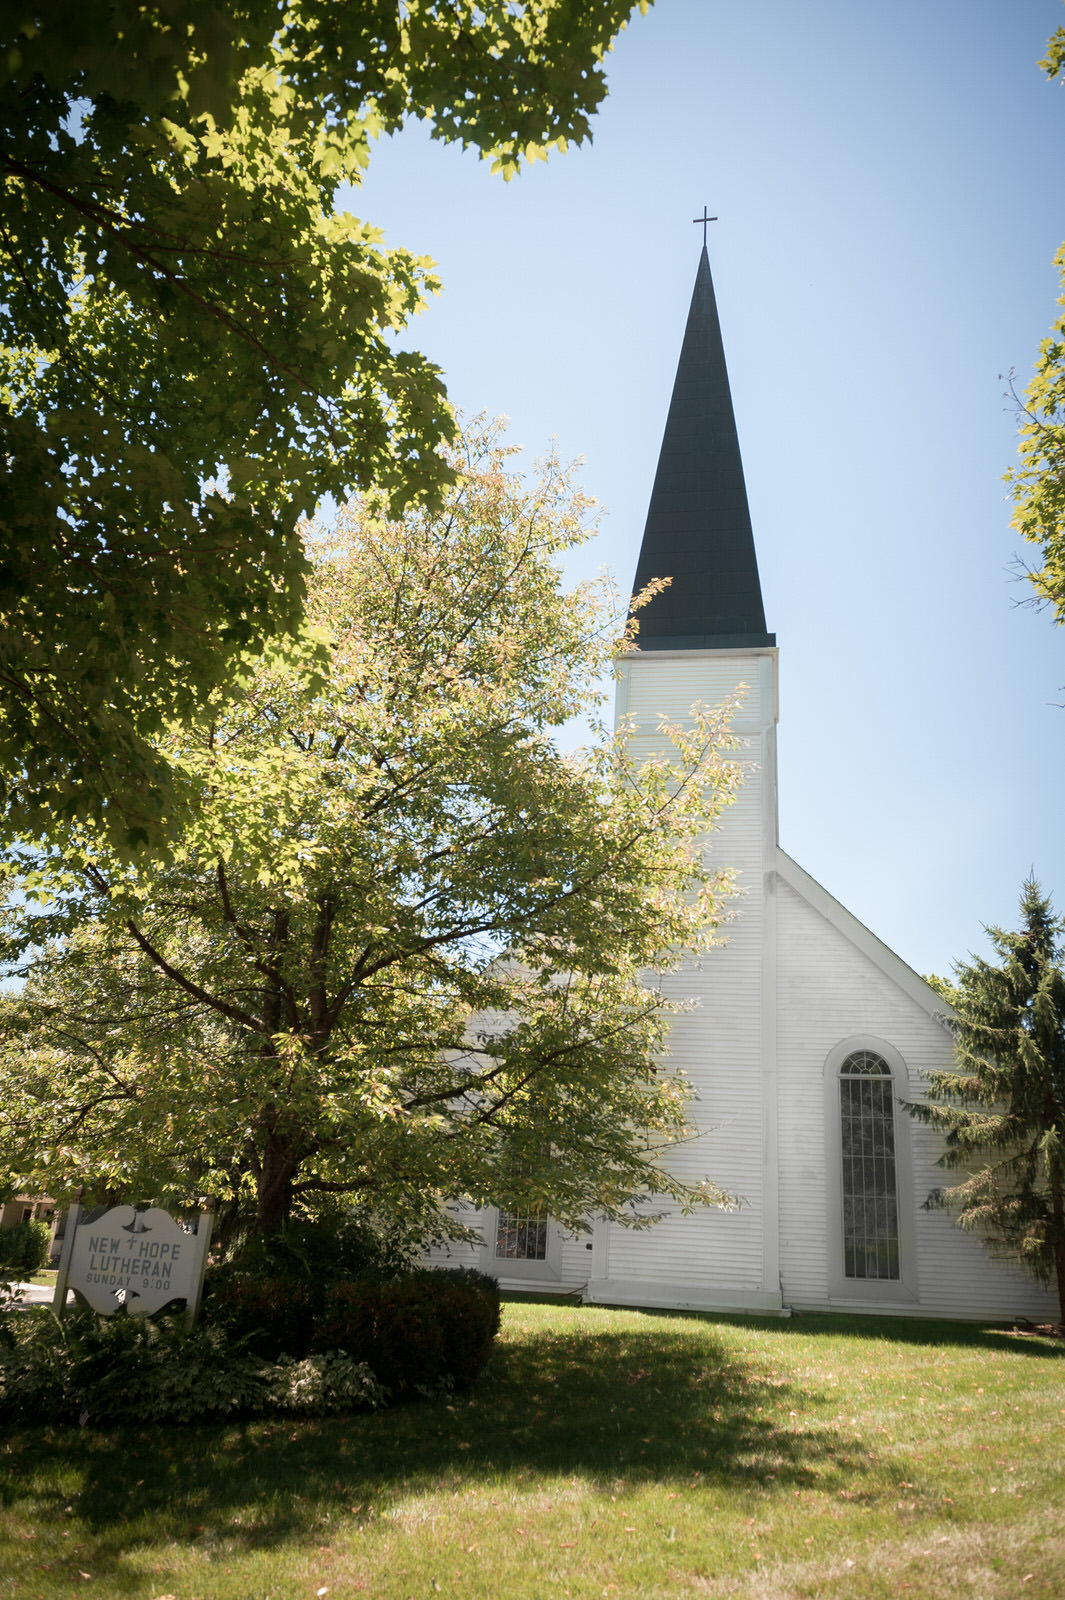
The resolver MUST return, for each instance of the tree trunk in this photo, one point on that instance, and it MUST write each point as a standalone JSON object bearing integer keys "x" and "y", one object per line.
{"x": 274, "y": 1187}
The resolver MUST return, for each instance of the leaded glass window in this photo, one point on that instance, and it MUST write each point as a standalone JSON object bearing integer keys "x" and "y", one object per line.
{"x": 522, "y": 1236}
{"x": 870, "y": 1191}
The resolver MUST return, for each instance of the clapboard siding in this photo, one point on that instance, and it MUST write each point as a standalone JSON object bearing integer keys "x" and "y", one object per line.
{"x": 709, "y": 1251}
{"x": 717, "y": 1045}
{"x": 672, "y": 684}
{"x": 576, "y": 1260}
{"x": 829, "y": 990}
{"x": 795, "y": 976}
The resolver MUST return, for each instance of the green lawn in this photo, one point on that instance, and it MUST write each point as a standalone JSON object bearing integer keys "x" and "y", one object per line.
{"x": 603, "y": 1454}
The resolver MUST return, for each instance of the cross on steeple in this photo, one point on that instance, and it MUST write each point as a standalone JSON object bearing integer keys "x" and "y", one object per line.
{"x": 704, "y": 219}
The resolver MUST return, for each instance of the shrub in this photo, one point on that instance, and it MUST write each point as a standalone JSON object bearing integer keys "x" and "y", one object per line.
{"x": 273, "y": 1293}
{"x": 273, "y": 1316}
{"x": 24, "y": 1248}
{"x": 417, "y": 1333}
{"x": 467, "y": 1307}
{"x": 393, "y": 1327}
{"x": 140, "y": 1370}
{"x": 415, "y": 1330}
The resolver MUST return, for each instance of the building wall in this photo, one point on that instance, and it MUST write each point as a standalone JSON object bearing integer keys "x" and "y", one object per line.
{"x": 796, "y": 977}
{"x": 568, "y": 1270}
{"x": 829, "y": 989}
{"x": 713, "y": 1257}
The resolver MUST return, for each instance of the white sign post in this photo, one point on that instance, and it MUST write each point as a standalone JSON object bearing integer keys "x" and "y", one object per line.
{"x": 138, "y": 1259}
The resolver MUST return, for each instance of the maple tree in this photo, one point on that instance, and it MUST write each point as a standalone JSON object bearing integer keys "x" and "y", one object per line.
{"x": 196, "y": 345}
{"x": 401, "y": 951}
{"x": 1037, "y": 483}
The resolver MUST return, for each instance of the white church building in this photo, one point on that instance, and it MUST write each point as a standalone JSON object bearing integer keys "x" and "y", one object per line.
{"x": 807, "y": 1032}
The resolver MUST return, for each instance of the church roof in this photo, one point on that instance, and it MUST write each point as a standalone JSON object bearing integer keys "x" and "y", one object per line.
{"x": 698, "y": 528}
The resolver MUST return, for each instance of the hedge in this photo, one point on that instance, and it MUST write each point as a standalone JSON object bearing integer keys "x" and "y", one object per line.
{"x": 416, "y": 1333}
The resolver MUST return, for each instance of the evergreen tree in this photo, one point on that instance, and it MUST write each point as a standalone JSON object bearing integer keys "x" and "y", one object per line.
{"x": 1003, "y": 1111}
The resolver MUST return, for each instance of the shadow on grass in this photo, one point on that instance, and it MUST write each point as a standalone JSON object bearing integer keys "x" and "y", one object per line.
{"x": 612, "y": 1408}
{"x": 617, "y": 1409}
{"x": 918, "y": 1331}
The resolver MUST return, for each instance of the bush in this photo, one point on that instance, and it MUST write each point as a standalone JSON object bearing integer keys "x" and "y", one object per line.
{"x": 416, "y": 1331}
{"x": 24, "y": 1248}
{"x": 265, "y": 1344}
{"x": 273, "y": 1293}
{"x": 467, "y": 1307}
{"x": 272, "y": 1316}
{"x": 138, "y": 1370}
{"x": 392, "y": 1327}
{"x": 422, "y": 1331}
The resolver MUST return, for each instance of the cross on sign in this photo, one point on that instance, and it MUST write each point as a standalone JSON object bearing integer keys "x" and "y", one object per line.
{"x": 704, "y": 219}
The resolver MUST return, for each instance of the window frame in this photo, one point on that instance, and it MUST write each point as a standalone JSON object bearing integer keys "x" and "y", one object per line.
{"x": 548, "y": 1270}
{"x": 902, "y": 1289}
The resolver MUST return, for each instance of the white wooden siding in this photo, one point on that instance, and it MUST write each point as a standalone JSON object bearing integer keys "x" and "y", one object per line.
{"x": 718, "y": 1045}
{"x": 828, "y": 990}
{"x": 672, "y": 683}
{"x": 797, "y": 976}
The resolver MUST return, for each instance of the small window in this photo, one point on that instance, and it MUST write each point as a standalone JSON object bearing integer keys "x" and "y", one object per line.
{"x": 524, "y": 1243}
{"x": 870, "y": 1188}
{"x": 521, "y": 1236}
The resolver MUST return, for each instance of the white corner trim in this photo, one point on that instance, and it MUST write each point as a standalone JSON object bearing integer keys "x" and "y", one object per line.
{"x": 845, "y": 922}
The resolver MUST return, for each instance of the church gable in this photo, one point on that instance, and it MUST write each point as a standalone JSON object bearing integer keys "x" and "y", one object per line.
{"x": 841, "y": 994}
{"x": 846, "y": 923}
{"x": 835, "y": 998}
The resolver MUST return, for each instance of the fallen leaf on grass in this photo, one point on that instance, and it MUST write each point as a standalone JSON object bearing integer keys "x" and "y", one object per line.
{"x": 86, "y": 1575}
{"x": 568, "y": 1544}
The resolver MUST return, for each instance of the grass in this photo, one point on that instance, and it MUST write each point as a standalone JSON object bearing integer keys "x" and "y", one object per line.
{"x": 604, "y": 1454}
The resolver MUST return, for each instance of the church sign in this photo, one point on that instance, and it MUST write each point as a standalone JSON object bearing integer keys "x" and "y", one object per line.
{"x": 141, "y": 1260}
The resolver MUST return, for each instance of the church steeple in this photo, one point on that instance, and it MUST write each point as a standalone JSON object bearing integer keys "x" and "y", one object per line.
{"x": 698, "y": 528}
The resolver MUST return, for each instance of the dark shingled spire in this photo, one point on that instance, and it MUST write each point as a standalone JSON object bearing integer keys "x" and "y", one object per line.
{"x": 698, "y": 526}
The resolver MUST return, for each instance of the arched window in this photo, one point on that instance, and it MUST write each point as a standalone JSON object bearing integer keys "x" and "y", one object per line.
{"x": 870, "y": 1206}
{"x": 870, "y": 1182}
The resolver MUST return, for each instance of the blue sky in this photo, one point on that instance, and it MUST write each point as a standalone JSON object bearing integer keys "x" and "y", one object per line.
{"x": 889, "y": 186}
